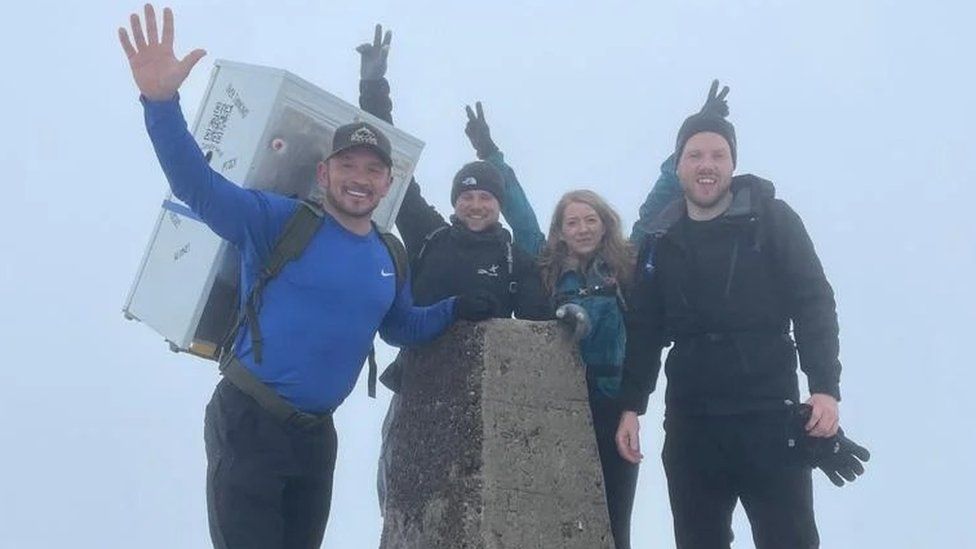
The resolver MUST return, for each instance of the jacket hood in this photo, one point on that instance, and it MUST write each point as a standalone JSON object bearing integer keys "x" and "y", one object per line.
{"x": 748, "y": 192}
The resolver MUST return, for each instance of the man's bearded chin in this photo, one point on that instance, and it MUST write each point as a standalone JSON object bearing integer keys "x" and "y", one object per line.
{"x": 710, "y": 203}
{"x": 334, "y": 202}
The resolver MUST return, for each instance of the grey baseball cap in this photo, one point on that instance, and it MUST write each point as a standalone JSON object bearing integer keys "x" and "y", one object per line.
{"x": 362, "y": 134}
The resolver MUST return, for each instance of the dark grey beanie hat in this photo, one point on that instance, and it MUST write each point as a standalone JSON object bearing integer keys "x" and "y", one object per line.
{"x": 478, "y": 175}
{"x": 705, "y": 122}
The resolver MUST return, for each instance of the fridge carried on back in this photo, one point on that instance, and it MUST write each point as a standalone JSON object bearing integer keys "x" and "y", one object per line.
{"x": 261, "y": 128}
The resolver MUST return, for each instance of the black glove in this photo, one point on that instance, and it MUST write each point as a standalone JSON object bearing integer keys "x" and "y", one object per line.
{"x": 475, "y": 307}
{"x": 839, "y": 457}
{"x": 479, "y": 133}
{"x": 844, "y": 459}
{"x": 715, "y": 104}
{"x": 575, "y": 317}
{"x": 372, "y": 57}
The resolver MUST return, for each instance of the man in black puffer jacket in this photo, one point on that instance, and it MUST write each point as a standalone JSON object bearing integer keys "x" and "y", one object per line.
{"x": 724, "y": 273}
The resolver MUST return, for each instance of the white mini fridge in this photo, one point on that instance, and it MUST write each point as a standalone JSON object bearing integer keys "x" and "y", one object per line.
{"x": 262, "y": 128}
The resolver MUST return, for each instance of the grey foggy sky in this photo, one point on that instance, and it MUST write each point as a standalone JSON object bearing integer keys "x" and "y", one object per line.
{"x": 860, "y": 112}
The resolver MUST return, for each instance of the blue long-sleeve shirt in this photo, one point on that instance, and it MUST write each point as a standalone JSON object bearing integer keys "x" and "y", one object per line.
{"x": 320, "y": 314}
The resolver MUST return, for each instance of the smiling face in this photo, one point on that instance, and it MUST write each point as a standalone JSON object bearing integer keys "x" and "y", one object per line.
{"x": 581, "y": 229}
{"x": 705, "y": 170}
{"x": 354, "y": 181}
{"x": 477, "y": 209}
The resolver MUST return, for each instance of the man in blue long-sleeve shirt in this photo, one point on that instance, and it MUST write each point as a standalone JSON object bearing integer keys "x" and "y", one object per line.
{"x": 269, "y": 481}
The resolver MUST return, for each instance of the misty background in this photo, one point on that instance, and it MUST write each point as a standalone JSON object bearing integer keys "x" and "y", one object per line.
{"x": 860, "y": 112}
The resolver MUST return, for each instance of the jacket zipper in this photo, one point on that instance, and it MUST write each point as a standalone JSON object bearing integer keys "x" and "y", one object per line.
{"x": 735, "y": 258}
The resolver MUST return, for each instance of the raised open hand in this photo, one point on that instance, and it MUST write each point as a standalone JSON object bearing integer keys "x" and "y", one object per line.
{"x": 478, "y": 132}
{"x": 157, "y": 71}
{"x": 715, "y": 103}
{"x": 372, "y": 57}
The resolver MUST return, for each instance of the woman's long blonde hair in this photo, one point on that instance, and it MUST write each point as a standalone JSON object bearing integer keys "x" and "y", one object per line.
{"x": 614, "y": 250}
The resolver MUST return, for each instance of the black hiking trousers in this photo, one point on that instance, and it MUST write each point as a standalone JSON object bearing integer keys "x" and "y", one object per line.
{"x": 619, "y": 475}
{"x": 711, "y": 462}
{"x": 269, "y": 485}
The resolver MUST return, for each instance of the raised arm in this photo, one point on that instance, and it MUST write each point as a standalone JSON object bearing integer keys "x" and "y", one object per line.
{"x": 374, "y": 90}
{"x": 666, "y": 190}
{"x": 416, "y": 218}
{"x": 225, "y": 207}
{"x": 515, "y": 205}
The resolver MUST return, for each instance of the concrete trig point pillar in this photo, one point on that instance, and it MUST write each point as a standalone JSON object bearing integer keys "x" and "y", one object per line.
{"x": 492, "y": 444}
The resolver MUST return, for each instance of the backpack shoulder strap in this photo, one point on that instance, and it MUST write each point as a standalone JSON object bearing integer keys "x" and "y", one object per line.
{"x": 294, "y": 238}
{"x": 427, "y": 240}
{"x": 510, "y": 258}
{"x": 399, "y": 255}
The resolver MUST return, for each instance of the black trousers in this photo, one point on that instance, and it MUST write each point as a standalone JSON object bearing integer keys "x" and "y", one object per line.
{"x": 712, "y": 462}
{"x": 619, "y": 475}
{"x": 269, "y": 485}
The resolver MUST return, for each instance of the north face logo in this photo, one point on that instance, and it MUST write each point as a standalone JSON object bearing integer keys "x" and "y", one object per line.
{"x": 469, "y": 181}
{"x": 364, "y": 135}
{"x": 491, "y": 271}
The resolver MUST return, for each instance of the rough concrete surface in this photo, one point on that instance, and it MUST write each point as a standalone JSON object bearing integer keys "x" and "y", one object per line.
{"x": 492, "y": 444}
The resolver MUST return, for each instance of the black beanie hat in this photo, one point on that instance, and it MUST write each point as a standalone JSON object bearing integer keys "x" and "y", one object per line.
{"x": 705, "y": 122}
{"x": 478, "y": 175}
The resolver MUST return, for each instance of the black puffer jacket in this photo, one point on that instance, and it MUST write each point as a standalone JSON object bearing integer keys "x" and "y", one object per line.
{"x": 725, "y": 292}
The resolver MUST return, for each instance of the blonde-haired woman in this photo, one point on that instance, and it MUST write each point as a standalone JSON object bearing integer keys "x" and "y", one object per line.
{"x": 585, "y": 232}
{"x": 586, "y": 261}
